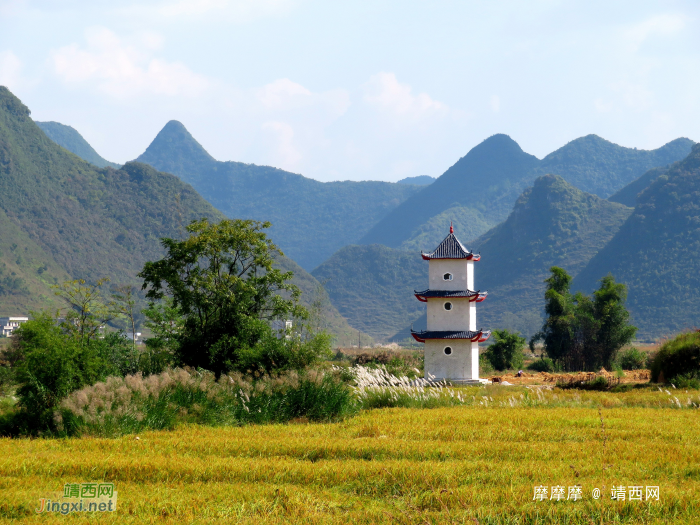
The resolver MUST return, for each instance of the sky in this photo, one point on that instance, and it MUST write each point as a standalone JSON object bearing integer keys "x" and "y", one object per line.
{"x": 371, "y": 90}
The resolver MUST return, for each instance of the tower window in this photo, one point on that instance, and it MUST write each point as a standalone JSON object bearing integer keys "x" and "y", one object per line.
{"x": 447, "y": 277}
{"x": 448, "y": 350}
{"x": 448, "y": 306}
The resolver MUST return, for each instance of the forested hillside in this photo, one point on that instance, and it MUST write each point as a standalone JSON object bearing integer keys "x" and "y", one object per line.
{"x": 310, "y": 219}
{"x": 62, "y": 217}
{"x": 552, "y": 223}
{"x": 600, "y": 167}
{"x": 657, "y": 253}
{"x": 372, "y": 287}
{"x": 479, "y": 191}
{"x": 628, "y": 194}
{"x": 69, "y": 138}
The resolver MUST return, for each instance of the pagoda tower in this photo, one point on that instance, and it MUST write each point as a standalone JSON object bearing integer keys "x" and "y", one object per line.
{"x": 451, "y": 340}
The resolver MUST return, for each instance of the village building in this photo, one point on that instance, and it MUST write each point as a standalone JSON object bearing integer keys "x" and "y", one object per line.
{"x": 10, "y": 324}
{"x": 451, "y": 339}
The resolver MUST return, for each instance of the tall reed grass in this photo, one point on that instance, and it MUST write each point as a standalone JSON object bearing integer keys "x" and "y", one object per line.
{"x": 131, "y": 404}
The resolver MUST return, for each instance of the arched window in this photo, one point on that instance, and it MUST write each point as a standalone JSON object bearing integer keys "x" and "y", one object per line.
{"x": 447, "y": 277}
{"x": 448, "y": 306}
{"x": 448, "y": 350}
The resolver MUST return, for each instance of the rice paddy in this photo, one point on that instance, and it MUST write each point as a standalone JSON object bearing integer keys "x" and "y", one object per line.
{"x": 477, "y": 461}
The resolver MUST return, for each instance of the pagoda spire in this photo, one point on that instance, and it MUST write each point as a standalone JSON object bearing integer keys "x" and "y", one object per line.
{"x": 452, "y": 230}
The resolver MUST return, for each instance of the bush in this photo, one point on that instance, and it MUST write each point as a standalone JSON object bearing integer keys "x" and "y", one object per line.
{"x": 485, "y": 366}
{"x": 687, "y": 381}
{"x": 507, "y": 350}
{"x": 273, "y": 354}
{"x": 633, "y": 359}
{"x": 544, "y": 364}
{"x": 50, "y": 366}
{"x": 679, "y": 356}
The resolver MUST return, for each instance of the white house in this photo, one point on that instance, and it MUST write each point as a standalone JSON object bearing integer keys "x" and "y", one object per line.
{"x": 9, "y": 324}
{"x": 452, "y": 339}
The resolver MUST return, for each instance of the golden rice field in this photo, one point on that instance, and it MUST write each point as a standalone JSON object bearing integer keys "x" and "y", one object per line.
{"x": 465, "y": 464}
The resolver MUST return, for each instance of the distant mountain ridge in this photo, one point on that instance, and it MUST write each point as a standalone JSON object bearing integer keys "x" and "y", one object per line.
{"x": 552, "y": 223}
{"x": 656, "y": 253}
{"x": 420, "y": 180}
{"x": 483, "y": 186}
{"x": 310, "y": 219}
{"x": 62, "y": 218}
{"x": 69, "y": 138}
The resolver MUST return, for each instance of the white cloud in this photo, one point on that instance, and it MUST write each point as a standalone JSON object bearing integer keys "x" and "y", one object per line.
{"x": 283, "y": 94}
{"x": 285, "y": 152}
{"x": 10, "y": 67}
{"x": 658, "y": 25}
{"x": 124, "y": 69}
{"x": 385, "y": 92}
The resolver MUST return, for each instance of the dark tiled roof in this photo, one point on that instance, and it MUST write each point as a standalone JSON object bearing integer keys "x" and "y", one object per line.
{"x": 479, "y": 335}
{"x": 446, "y": 293}
{"x": 450, "y": 248}
{"x": 477, "y": 296}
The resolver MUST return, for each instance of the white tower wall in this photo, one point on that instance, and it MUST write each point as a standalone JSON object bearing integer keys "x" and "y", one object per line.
{"x": 462, "y": 274}
{"x": 459, "y": 318}
{"x": 461, "y": 364}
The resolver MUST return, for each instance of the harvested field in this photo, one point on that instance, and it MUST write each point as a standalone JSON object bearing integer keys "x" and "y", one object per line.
{"x": 466, "y": 464}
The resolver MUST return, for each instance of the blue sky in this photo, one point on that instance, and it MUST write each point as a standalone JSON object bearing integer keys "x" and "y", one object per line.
{"x": 376, "y": 90}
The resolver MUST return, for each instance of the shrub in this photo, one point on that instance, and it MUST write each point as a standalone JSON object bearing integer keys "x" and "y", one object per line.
{"x": 507, "y": 350}
{"x": 485, "y": 366}
{"x": 679, "y": 356}
{"x": 272, "y": 354}
{"x": 633, "y": 359}
{"x": 50, "y": 366}
{"x": 687, "y": 381}
{"x": 543, "y": 364}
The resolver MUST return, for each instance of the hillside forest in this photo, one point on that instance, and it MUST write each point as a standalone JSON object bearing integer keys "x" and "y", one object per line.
{"x": 591, "y": 207}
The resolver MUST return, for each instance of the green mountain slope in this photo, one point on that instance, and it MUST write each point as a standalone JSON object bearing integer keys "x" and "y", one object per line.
{"x": 419, "y": 180}
{"x": 62, "y": 217}
{"x": 479, "y": 191}
{"x": 372, "y": 287}
{"x": 69, "y": 138}
{"x": 476, "y": 181}
{"x": 628, "y": 194}
{"x": 26, "y": 271}
{"x": 600, "y": 167}
{"x": 657, "y": 253}
{"x": 552, "y": 223}
{"x": 310, "y": 219}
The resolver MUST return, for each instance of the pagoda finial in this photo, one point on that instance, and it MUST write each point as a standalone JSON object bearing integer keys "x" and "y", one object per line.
{"x": 452, "y": 230}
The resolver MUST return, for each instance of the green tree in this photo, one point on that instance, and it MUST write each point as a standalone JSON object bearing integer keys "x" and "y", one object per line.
{"x": 558, "y": 330}
{"x": 88, "y": 310}
{"x": 582, "y": 332}
{"x": 51, "y": 365}
{"x": 222, "y": 282}
{"x": 507, "y": 350}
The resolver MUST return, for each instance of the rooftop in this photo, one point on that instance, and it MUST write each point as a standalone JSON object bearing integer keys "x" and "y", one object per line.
{"x": 474, "y": 296}
{"x": 478, "y": 336}
{"x": 451, "y": 248}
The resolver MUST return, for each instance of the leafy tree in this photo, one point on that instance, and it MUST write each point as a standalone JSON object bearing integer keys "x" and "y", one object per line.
{"x": 507, "y": 350}
{"x": 124, "y": 304}
{"x": 581, "y": 332}
{"x": 88, "y": 310}
{"x": 558, "y": 329}
{"x": 51, "y": 365}
{"x": 222, "y": 281}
